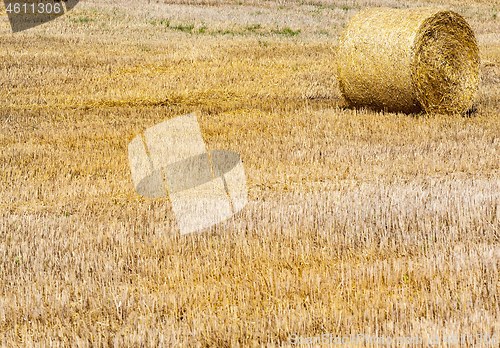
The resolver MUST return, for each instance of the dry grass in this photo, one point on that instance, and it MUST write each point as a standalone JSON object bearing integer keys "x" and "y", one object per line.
{"x": 358, "y": 222}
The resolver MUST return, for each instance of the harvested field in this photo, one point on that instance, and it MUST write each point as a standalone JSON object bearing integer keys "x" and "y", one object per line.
{"x": 358, "y": 222}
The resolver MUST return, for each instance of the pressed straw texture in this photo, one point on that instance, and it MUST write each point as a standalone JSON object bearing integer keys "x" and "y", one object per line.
{"x": 409, "y": 60}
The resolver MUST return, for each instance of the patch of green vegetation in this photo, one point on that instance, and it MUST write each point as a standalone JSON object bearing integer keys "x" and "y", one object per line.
{"x": 323, "y": 32}
{"x": 253, "y": 27}
{"x": 184, "y": 28}
{"x": 144, "y": 49}
{"x": 256, "y": 13}
{"x": 287, "y": 32}
{"x": 318, "y": 5}
{"x": 80, "y": 19}
{"x": 250, "y": 29}
{"x": 223, "y": 32}
{"x": 263, "y": 43}
{"x": 321, "y": 6}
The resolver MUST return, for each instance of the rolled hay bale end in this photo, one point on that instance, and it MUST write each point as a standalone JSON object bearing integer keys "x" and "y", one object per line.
{"x": 409, "y": 60}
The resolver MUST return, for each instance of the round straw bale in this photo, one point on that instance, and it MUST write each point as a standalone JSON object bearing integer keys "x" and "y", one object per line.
{"x": 409, "y": 60}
